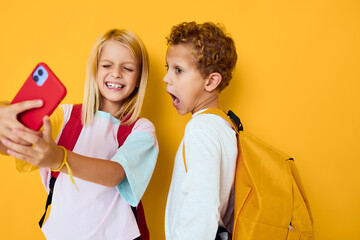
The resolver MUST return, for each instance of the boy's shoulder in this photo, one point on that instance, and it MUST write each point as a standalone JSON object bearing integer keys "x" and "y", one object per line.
{"x": 209, "y": 123}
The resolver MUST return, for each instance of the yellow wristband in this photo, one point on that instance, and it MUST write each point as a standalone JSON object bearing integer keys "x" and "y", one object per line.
{"x": 65, "y": 162}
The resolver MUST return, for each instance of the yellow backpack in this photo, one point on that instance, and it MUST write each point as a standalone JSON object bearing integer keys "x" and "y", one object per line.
{"x": 270, "y": 201}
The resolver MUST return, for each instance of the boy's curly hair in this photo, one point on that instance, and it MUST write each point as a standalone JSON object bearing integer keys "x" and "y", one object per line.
{"x": 215, "y": 49}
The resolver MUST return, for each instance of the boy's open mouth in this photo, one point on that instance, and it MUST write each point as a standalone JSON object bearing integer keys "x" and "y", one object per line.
{"x": 176, "y": 101}
{"x": 112, "y": 85}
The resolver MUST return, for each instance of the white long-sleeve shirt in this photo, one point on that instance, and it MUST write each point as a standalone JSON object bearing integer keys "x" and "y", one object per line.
{"x": 198, "y": 199}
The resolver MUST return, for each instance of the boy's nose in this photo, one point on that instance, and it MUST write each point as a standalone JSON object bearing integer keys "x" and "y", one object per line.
{"x": 166, "y": 78}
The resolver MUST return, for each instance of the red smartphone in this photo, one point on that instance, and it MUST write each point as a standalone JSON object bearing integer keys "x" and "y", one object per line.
{"x": 41, "y": 84}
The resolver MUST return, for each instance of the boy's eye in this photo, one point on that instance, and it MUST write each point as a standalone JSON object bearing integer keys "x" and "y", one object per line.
{"x": 178, "y": 70}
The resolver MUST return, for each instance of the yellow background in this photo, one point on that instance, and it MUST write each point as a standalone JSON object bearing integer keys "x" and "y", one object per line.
{"x": 296, "y": 86}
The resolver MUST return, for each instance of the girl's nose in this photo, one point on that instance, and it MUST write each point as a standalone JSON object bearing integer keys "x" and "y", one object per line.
{"x": 116, "y": 72}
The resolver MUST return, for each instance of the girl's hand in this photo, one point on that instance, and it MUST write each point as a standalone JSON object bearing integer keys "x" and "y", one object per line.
{"x": 9, "y": 121}
{"x": 44, "y": 152}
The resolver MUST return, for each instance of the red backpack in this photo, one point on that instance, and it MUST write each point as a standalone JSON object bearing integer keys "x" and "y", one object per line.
{"x": 68, "y": 139}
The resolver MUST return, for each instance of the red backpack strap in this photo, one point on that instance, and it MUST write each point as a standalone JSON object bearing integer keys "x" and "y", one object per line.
{"x": 71, "y": 131}
{"x": 122, "y": 134}
{"x": 141, "y": 221}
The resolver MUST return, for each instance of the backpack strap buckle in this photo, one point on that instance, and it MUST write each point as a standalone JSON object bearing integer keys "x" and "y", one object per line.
{"x": 236, "y": 120}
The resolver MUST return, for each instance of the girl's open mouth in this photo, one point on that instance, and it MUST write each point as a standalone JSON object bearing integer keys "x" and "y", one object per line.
{"x": 112, "y": 85}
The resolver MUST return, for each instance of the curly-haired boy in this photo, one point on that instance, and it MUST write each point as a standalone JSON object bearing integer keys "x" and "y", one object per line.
{"x": 200, "y": 60}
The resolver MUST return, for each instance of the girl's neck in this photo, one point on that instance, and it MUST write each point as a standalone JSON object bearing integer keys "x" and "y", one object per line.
{"x": 111, "y": 108}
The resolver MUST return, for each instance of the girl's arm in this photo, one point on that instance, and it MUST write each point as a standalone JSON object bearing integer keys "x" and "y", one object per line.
{"x": 138, "y": 156}
{"x": 46, "y": 153}
{"x": 9, "y": 121}
{"x": 107, "y": 173}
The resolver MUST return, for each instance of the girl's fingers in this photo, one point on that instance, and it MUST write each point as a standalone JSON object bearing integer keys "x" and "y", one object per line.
{"x": 18, "y": 149}
{"x": 33, "y": 139}
{"x": 47, "y": 129}
{"x": 26, "y": 105}
{"x": 18, "y": 155}
{"x": 7, "y": 133}
{"x": 41, "y": 154}
{"x": 25, "y": 129}
{"x": 9, "y": 113}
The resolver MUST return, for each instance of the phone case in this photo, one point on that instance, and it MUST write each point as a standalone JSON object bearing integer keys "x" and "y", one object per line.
{"x": 41, "y": 84}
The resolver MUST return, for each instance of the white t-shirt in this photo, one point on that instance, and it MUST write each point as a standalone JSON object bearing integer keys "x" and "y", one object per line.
{"x": 198, "y": 199}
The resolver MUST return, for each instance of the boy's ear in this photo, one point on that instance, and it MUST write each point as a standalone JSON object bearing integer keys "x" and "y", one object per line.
{"x": 213, "y": 81}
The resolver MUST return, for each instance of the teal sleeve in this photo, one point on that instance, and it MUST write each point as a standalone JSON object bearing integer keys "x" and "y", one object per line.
{"x": 138, "y": 157}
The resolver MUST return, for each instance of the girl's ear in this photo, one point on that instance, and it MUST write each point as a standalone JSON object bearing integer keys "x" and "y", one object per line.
{"x": 213, "y": 81}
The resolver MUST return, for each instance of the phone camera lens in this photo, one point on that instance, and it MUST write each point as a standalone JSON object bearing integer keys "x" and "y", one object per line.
{"x": 36, "y": 78}
{"x": 40, "y": 72}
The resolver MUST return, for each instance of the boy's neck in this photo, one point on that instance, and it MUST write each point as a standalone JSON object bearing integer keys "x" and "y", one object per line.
{"x": 211, "y": 102}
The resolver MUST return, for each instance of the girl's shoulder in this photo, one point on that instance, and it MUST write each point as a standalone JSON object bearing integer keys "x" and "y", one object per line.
{"x": 67, "y": 110}
{"x": 144, "y": 125}
{"x": 61, "y": 115}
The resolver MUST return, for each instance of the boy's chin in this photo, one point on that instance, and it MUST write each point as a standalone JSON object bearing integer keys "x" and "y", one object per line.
{"x": 181, "y": 112}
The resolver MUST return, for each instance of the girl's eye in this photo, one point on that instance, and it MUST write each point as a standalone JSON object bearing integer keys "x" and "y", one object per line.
{"x": 178, "y": 70}
{"x": 128, "y": 69}
{"x": 167, "y": 67}
{"x": 105, "y": 66}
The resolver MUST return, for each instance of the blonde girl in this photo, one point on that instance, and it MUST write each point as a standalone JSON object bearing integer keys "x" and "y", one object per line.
{"x": 98, "y": 181}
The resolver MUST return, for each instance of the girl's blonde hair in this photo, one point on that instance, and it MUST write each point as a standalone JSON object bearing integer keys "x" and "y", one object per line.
{"x": 131, "y": 106}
